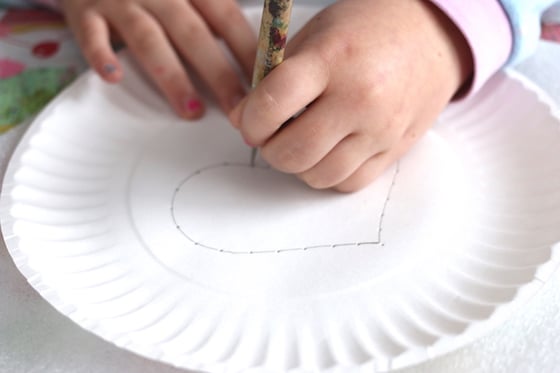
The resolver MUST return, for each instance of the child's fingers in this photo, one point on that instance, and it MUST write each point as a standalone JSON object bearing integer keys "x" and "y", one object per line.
{"x": 373, "y": 167}
{"x": 326, "y": 145}
{"x": 339, "y": 164}
{"x": 148, "y": 42}
{"x": 194, "y": 40}
{"x": 289, "y": 88}
{"x": 367, "y": 172}
{"x": 363, "y": 155}
{"x": 307, "y": 139}
{"x": 228, "y": 22}
{"x": 92, "y": 33}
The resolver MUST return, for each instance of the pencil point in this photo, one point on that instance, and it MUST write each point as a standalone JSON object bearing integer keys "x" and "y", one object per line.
{"x": 253, "y": 156}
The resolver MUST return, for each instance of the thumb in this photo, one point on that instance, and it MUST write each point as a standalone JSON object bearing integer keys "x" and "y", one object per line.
{"x": 285, "y": 91}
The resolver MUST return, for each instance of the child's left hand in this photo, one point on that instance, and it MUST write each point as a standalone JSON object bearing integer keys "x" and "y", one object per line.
{"x": 164, "y": 34}
{"x": 372, "y": 75}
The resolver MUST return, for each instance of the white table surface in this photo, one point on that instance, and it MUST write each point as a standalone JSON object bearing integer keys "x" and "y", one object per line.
{"x": 34, "y": 337}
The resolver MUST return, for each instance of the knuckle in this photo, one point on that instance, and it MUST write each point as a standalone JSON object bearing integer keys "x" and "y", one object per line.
{"x": 378, "y": 139}
{"x": 192, "y": 31}
{"x": 316, "y": 181}
{"x": 139, "y": 31}
{"x": 353, "y": 183}
{"x": 285, "y": 159}
{"x": 370, "y": 94}
{"x": 173, "y": 8}
{"x": 382, "y": 135}
{"x": 88, "y": 31}
{"x": 320, "y": 58}
{"x": 142, "y": 37}
{"x": 362, "y": 177}
{"x": 376, "y": 87}
{"x": 259, "y": 118}
{"x": 267, "y": 103}
{"x": 222, "y": 13}
{"x": 228, "y": 15}
{"x": 295, "y": 158}
{"x": 326, "y": 175}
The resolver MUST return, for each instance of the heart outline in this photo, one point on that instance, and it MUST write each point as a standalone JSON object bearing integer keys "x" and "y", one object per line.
{"x": 275, "y": 251}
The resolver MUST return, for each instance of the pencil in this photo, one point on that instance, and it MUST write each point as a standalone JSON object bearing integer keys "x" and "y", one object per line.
{"x": 273, "y": 34}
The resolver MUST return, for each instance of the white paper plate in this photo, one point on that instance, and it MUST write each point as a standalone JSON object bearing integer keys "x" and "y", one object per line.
{"x": 156, "y": 235}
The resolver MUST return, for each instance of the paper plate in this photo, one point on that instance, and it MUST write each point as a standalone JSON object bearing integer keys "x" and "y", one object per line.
{"x": 158, "y": 236}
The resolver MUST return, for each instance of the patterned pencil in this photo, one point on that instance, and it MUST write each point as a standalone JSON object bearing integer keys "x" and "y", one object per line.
{"x": 272, "y": 37}
{"x": 273, "y": 34}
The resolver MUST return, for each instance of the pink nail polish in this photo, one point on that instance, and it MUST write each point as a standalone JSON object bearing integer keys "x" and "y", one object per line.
{"x": 193, "y": 105}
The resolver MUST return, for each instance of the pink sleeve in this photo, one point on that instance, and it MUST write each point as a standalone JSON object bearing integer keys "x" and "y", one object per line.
{"x": 486, "y": 28}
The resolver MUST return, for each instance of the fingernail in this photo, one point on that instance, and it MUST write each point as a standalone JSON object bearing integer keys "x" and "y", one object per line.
{"x": 192, "y": 105}
{"x": 109, "y": 68}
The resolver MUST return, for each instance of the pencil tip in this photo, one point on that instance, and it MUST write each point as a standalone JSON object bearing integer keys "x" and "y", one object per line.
{"x": 253, "y": 156}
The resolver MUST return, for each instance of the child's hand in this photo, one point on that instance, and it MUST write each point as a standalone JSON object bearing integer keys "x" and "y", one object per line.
{"x": 162, "y": 33}
{"x": 374, "y": 75}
